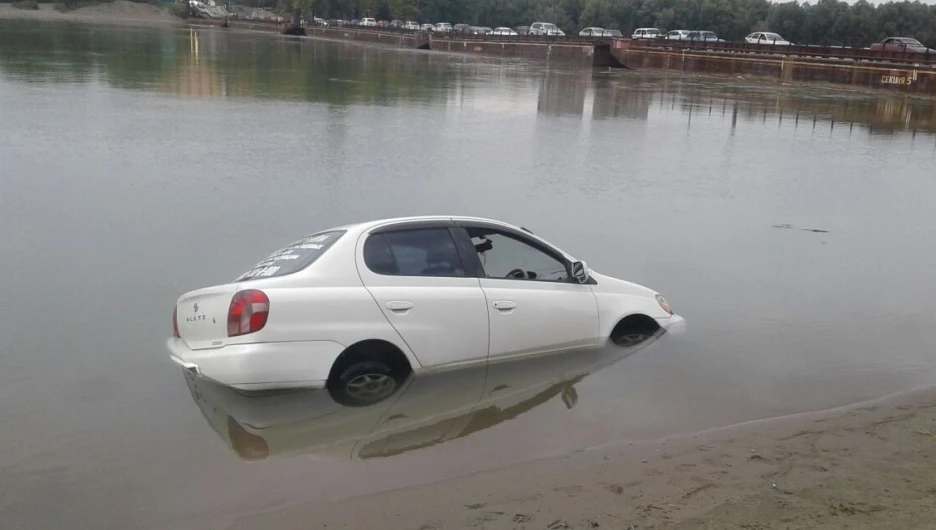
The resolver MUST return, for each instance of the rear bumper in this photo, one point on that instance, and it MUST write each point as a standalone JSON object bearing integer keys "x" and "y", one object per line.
{"x": 263, "y": 366}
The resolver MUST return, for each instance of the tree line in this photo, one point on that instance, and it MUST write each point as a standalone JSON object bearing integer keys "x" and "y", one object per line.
{"x": 828, "y": 22}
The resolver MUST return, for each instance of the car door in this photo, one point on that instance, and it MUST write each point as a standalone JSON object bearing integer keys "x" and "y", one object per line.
{"x": 419, "y": 281}
{"x": 533, "y": 305}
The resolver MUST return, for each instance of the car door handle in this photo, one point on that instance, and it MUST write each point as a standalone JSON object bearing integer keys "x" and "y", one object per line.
{"x": 399, "y": 306}
{"x": 505, "y": 305}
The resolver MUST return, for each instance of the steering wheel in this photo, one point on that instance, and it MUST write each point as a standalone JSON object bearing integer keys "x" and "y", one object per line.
{"x": 518, "y": 274}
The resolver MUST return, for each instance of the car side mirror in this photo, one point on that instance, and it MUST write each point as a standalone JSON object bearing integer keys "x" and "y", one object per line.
{"x": 580, "y": 271}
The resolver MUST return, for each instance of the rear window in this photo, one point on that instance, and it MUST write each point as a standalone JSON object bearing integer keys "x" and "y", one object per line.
{"x": 294, "y": 257}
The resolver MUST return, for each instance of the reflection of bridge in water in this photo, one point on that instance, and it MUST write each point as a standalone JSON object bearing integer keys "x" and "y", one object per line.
{"x": 195, "y": 77}
{"x": 877, "y": 115}
{"x": 634, "y": 96}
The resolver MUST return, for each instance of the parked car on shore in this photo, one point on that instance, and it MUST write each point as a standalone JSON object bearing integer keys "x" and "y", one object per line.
{"x": 613, "y": 33}
{"x": 677, "y": 34}
{"x": 592, "y": 32}
{"x": 368, "y": 23}
{"x": 480, "y": 31}
{"x": 411, "y": 25}
{"x": 443, "y": 27}
{"x": 361, "y": 307}
{"x": 703, "y": 36}
{"x": 461, "y": 28}
{"x": 766, "y": 37}
{"x": 523, "y": 30}
{"x": 901, "y": 45}
{"x": 504, "y": 32}
{"x": 546, "y": 28}
{"x": 427, "y": 27}
{"x": 646, "y": 34}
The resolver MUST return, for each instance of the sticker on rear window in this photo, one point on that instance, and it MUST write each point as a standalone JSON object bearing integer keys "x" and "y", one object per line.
{"x": 293, "y": 258}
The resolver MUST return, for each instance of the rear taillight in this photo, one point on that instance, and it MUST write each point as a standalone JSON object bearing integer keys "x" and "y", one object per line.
{"x": 175, "y": 323}
{"x": 248, "y": 312}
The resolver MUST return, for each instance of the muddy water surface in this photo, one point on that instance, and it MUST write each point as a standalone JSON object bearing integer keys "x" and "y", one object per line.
{"x": 792, "y": 227}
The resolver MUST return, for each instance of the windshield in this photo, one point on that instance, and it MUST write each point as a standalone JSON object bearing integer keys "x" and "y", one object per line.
{"x": 549, "y": 26}
{"x": 772, "y": 36}
{"x": 911, "y": 41}
{"x": 294, "y": 257}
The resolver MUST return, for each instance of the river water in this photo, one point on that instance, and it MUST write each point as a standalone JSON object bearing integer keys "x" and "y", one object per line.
{"x": 791, "y": 226}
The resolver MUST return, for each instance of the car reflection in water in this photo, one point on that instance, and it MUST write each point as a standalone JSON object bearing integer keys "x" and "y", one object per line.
{"x": 427, "y": 411}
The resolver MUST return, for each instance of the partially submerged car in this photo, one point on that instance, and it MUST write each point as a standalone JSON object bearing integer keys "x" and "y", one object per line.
{"x": 358, "y": 308}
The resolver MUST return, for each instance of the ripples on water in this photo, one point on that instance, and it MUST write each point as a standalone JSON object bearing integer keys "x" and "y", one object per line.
{"x": 137, "y": 164}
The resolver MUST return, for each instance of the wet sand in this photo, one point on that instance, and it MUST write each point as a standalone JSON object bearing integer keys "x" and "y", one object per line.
{"x": 119, "y": 11}
{"x": 871, "y": 465}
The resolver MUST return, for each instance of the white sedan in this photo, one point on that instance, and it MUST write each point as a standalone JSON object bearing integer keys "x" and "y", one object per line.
{"x": 766, "y": 37}
{"x": 504, "y": 32}
{"x": 357, "y": 309}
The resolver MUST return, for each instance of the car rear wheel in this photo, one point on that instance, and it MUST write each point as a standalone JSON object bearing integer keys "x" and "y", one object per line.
{"x": 364, "y": 383}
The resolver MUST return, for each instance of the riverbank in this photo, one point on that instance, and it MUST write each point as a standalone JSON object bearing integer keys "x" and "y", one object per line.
{"x": 119, "y": 11}
{"x": 867, "y": 466}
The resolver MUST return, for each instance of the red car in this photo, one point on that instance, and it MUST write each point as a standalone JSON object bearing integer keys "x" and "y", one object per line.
{"x": 902, "y": 45}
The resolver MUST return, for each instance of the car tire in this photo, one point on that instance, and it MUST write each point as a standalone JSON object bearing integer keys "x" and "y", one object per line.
{"x": 633, "y": 338}
{"x": 365, "y": 383}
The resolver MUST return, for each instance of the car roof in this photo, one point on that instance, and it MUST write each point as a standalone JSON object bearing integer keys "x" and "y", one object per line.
{"x": 366, "y": 225}
{"x": 360, "y": 228}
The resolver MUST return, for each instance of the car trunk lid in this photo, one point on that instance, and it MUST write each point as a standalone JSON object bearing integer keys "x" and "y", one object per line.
{"x": 202, "y": 316}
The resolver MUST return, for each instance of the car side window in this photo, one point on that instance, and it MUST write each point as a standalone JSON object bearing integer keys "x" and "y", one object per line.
{"x": 415, "y": 252}
{"x": 504, "y": 255}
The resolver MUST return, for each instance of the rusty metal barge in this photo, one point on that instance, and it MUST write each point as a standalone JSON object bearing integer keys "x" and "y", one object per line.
{"x": 857, "y": 69}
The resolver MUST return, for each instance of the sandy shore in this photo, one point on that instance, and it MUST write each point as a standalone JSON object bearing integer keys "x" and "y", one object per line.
{"x": 119, "y": 11}
{"x": 865, "y": 466}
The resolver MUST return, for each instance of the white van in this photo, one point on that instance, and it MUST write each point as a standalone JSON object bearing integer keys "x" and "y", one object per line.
{"x": 646, "y": 34}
